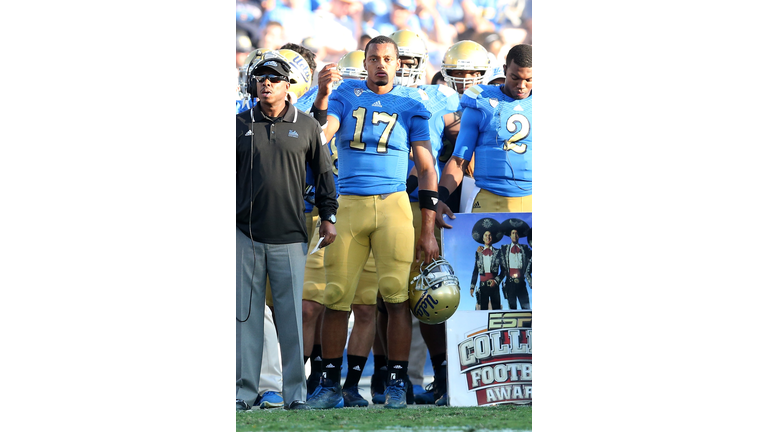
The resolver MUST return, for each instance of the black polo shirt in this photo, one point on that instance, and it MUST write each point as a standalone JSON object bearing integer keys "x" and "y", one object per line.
{"x": 272, "y": 159}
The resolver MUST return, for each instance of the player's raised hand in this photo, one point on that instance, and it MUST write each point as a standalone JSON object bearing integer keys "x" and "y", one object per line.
{"x": 325, "y": 78}
{"x": 442, "y": 208}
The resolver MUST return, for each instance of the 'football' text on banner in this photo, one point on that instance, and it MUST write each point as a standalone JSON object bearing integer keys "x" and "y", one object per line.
{"x": 489, "y": 364}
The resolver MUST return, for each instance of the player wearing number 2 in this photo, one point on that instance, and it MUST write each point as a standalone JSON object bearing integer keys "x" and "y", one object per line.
{"x": 497, "y": 126}
{"x": 376, "y": 125}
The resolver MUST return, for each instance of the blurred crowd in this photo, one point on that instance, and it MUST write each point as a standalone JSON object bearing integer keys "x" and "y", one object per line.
{"x": 332, "y": 28}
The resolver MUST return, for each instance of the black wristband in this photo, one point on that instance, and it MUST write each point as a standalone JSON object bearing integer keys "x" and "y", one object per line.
{"x": 320, "y": 115}
{"x": 428, "y": 200}
{"x": 411, "y": 184}
{"x": 443, "y": 194}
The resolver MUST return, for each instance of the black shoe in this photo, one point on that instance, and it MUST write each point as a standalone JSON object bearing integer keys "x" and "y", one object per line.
{"x": 313, "y": 381}
{"x": 408, "y": 391}
{"x": 440, "y": 383}
{"x": 298, "y": 405}
{"x": 379, "y": 382}
{"x": 240, "y": 405}
{"x": 395, "y": 395}
{"x": 428, "y": 397}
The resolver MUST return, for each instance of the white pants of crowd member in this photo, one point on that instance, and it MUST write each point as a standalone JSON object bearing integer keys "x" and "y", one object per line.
{"x": 271, "y": 370}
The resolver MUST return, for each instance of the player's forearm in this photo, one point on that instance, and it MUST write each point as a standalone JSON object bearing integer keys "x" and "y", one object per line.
{"x": 428, "y": 180}
{"x": 427, "y": 222}
{"x": 453, "y": 174}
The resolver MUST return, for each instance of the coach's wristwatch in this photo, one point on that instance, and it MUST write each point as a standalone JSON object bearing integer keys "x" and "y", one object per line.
{"x": 331, "y": 219}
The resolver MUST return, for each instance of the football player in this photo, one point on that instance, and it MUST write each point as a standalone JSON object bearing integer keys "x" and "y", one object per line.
{"x": 497, "y": 126}
{"x": 443, "y": 103}
{"x": 350, "y": 67}
{"x": 378, "y": 124}
{"x": 464, "y": 65}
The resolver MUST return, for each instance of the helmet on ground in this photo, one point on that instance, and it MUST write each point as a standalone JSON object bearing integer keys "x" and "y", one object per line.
{"x": 466, "y": 56}
{"x": 435, "y": 293}
{"x": 410, "y": 44}
{"x": 351, "y": 66}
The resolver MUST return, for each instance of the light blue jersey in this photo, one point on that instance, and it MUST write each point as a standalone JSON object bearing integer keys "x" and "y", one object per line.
{"x": 499, "y": 130}
{"x": 441, "y": 100}
{"x": 305, "y": 104}
{"x": 244, "y": 105}
{"x": 306, "y": 100}
{"x": 375, "y": 135}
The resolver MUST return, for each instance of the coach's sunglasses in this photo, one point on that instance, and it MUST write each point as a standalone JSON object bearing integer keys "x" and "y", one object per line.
{"x": 274, "y": 79}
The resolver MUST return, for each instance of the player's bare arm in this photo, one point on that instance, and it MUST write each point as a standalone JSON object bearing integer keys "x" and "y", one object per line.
{"x": 325, "y": 79}
{"x": 426, "y": 247}
{"x": 453, "y": 174}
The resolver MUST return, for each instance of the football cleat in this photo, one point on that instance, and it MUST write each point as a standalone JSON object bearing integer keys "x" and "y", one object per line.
{"x": 394, "y": 396}
{"x": 313, "y": 381}
{"x": 352, "y": 398}
{"x": 327, "y": 395}
{"x": 378, "y": 386}
{"x": 427, "y": 397}
{"x": 408, "y": 391}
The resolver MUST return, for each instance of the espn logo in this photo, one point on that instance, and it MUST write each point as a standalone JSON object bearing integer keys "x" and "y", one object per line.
{"x": 504, "y": 320}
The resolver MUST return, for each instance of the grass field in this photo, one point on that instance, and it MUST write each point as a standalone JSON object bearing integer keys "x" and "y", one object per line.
{"x": 419, "y": 418}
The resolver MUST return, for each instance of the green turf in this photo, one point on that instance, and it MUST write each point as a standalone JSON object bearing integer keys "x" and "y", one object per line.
{"x": 376, "y": 418}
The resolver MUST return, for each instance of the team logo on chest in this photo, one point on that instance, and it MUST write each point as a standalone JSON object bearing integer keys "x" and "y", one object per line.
{"x": 358, "y": 91}
{"x": 494, "y": 102}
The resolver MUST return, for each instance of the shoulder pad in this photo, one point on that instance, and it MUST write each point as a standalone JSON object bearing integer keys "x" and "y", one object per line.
{"x": 446, "y": 90}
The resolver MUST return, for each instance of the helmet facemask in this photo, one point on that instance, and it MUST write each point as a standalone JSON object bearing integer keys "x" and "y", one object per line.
{"x": 411, "y": 71}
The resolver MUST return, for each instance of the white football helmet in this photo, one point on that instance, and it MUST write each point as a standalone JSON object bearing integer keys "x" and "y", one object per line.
{"x": 465, "y": 56}
{"x": 435, "y": 293}
{"x": 253, "y": 57}
{"x": 411, "y": 44}
{"x": 495, "y": 72}
{"x": 351, "y": 67}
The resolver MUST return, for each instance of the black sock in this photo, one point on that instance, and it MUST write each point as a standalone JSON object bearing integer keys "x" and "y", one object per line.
{"x": 305, "y": 360}
{"x": 379, "y": 362}
{"x": 437, "y": 362}
{"x": 317, "y": 360}
{"x": 356, "y": 365}
{"x": 332, "y": 369}
{"x": 397, "y": 369}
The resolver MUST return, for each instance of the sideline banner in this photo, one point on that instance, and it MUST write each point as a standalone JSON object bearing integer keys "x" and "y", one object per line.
{"x": 489, "y": 357}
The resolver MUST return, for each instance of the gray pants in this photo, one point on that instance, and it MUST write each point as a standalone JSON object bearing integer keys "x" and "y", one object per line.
{"x": 284, "y": 264}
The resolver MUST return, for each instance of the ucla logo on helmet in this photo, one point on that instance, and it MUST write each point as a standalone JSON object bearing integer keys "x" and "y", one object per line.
{"x": 302, "y": 67}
